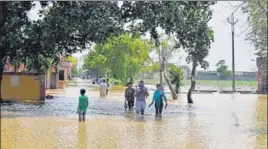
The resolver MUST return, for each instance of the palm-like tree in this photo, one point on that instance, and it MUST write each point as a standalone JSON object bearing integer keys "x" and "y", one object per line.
{"x": 176, "y": 76}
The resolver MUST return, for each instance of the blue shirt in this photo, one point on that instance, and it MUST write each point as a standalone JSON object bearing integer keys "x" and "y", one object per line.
{"x": 158, "y": 97}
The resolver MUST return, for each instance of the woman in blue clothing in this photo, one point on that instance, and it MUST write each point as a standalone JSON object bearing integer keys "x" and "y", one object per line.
{"x": 158, "y": 98}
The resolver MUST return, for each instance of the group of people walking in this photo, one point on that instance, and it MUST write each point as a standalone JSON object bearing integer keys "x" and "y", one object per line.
{"x": 141, "y": 94}
{"x": 133, "y": 96}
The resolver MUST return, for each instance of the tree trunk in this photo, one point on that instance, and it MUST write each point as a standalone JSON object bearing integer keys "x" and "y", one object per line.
{"x": 1, "y": 76}
{"x": 177, "y": 88}
{"x": 174, "y": 95}
{"x": 193, "y": 82}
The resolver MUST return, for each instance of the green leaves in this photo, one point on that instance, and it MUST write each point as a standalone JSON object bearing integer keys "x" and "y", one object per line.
{"x": 176, "y": 75}
{"x": 223, "y": 69}
{"x": 257, "y": 20}
{"x": 186, "y": 20}
{"x": 123, "y": 56}
{"x": 68, "y": 27}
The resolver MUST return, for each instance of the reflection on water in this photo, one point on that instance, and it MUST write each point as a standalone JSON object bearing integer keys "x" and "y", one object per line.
{"x": 213, "y": 121}
{"x": 82, "y": 136}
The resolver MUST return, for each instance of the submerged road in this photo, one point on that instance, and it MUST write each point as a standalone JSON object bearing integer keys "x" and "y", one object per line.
{"x": 220, "y": 121}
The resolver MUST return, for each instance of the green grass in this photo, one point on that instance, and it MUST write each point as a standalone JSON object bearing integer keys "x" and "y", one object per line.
{"x": 212, "y": 82}
{"x": 223, "y": 83}
{"x": 252, "y": 84}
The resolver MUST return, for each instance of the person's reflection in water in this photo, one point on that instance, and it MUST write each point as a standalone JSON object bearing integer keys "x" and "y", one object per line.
{"x": 82, "y": 135}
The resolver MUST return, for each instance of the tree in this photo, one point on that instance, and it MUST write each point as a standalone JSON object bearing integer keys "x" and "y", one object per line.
{"x": 257, "y": 20}
{"x": 165, "y": 54}
{"x": 223, "y": 69}
{"x": 74, "y": 62}
{"x": 198, "y": 40}
{"x": 176, "y": 76}
{"x": 186, "y": 20}
{"x": 96, "y": 63}
{"x": 123, "y": 56}
{"x": 13, "y": 19}
{"x": 66, "y": 27}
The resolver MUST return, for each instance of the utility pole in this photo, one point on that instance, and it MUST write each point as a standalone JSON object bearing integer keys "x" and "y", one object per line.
{"x": 233, "y": 22}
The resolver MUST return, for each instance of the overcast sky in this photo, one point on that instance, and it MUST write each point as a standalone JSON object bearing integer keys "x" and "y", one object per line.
{"x": 222, "y": 47}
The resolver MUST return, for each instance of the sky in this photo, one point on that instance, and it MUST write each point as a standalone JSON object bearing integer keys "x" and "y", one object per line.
{"x": 221, "y": 48}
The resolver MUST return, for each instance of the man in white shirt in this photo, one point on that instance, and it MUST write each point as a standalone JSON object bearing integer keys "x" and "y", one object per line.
{"x": 103, "y": 88}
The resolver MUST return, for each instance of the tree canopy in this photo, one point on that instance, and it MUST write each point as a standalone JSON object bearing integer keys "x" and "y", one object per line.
{"x": 123, "y": 56}
{"x": 74, "y": 62}
{"x": 257, "y": 20}
{"x": 67, "y": 27}
{"x": 176, "y": 76}
{"x": 223, "y": 69}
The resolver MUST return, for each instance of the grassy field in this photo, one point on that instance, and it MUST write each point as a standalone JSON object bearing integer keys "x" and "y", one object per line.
{"x": 223, "y": 83}
{"x": 251, "y": 84}
{"x": 213, "y": 83}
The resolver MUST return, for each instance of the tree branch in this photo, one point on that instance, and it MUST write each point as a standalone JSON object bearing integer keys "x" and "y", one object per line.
{"x": 259, "y": 3}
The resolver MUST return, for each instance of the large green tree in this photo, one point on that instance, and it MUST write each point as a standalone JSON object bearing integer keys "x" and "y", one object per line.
{"x": 223, "y": 69}
{"x": 186, "y": 20}
{"x": 14, "y": 40}
{"x": 257, "y": 34}
{"x": 122, "y": 56}
{"x": 65, "y": 28}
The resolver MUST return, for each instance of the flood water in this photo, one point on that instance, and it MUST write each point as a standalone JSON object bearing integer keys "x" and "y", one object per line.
{"x": 214, "y": 121}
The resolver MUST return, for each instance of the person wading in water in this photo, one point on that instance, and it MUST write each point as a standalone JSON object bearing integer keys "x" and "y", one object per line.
{"x": 103, "y": 88}
{"x": 158, "y": 98}
{"x": 141, "y": 95}
{"x": 130, "y": 96}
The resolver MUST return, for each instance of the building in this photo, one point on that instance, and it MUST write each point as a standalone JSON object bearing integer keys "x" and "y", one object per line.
{"x": 57, "y": 76}
{"x": 10, "y": 68}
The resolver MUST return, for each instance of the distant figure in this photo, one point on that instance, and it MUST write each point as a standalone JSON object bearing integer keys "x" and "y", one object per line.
{"x": 103, "y": 88}
{"x": 130, "y": 96}
{"x": 141, "y": 94}
{"x": 158, "y": 98}
{"x": 82, "y": 105}
{"x": 108, "y": 85}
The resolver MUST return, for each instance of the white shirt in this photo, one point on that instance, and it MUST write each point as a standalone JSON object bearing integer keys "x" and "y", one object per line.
{"x": 103, "y": 86}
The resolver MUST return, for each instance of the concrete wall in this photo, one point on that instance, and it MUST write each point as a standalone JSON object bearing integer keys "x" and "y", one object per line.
{"x": 22, "y": 86}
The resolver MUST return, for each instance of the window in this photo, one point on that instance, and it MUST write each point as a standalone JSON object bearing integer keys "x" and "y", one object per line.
{"x": 61, "y": 75}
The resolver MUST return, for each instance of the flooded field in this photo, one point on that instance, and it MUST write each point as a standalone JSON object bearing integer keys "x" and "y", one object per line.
{"x": 214, "y": 121}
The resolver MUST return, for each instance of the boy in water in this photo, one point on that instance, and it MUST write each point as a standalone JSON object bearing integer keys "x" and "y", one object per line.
{"x": 82, "y": 105}
{"x": 141, "y": 95}
{"x": 158, "y": 98}
{"x": 130, "y": 96}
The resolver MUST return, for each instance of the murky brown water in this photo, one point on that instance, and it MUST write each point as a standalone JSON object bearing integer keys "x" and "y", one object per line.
{"x": 214, "y": 121}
